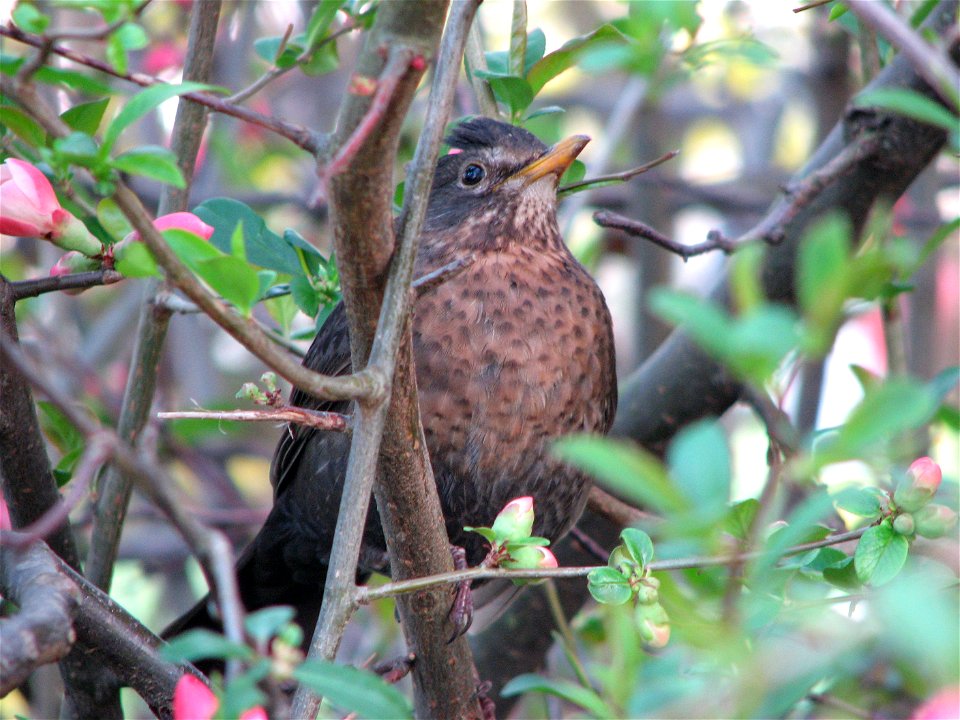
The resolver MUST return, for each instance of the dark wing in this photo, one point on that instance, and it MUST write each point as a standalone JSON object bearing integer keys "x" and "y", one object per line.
{"x": 329, "y": 354}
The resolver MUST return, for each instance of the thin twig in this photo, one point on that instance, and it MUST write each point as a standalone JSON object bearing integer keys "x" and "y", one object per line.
{"x": 311, "y": 142}
{"x": 564, "y": 633}
{"x": 432, "y": 280}
{"x": 365, "y": 595}
{"x": 76, "y": 281}
{"x": 398, "y": 62}
{"x": 635, "y": 228}
{"x": 814, "y": 4}
{"x": 300, "y": 416}
{"x": 617, "y": 511}
{"x": 621, "y": 176}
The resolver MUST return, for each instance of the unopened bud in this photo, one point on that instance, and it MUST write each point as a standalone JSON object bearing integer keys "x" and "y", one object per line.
{"x": 269, "y": 380}
{"x": 73, "y": 262}
{"x": 531, "y": 557}
{"x": 919, "y": 485}
{"x": 904, "y": 524}
{"x": 934, "y": 520}
{"x": 515, "y": 521}
{"x": 75, "y": 236}
{"x": 249, "y": 391}
{"x": 653, "y": 624}
{"x": 647, "y": 592}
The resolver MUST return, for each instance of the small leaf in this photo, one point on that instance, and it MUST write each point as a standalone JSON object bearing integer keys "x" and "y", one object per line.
{"x": 304, "y": 295}
{"x": 77, "y": 147}
{"x": 141, "y": 104}
{"x": 136, "y": 260}
{"x": 699, "y": 461}
{"x": 72, "y": 79}
{"x": 514, "y": 92}
{"x": 740, "y": 518}
{"x": 639, "y": 544}
{"x": 548, "y": 110}
{"x": 864, "y": 502}
{"x": 264, "y": 624}
{"x": 86, "y": 117}
{"x": 235, "y": 280}
{"x": 27, "y": 17}
{"x": 353, "y": 690}
{"x": 112, "y": 219}
{"x": 23, "y": 125}
{"x": 880, "y": 554}
{"x": 153, "y": 162}
{"x": 199, "y": 644}
{"x": 323, "y": 15}
{"x": 553, "y": 64}
{"x": 609, "y": 586}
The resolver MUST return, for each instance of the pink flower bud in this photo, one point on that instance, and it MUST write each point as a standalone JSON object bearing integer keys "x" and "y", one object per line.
{"x": 925, "y": 474}
{"x": 653, "y": 624}
{"x": 933, "y": 521}
{"x": 945, "y": 705}
{"x": 515, "y": 521}
{"x": 192, "y": 700}
{"x": 919, "y": 485}
{"x": 28, "y": 204}
{"x": 184, "y": 221}
{"x": 5, "y": 523}
{"x": 73, "y": 262}
{"x": 254, "y": 713}
{"x": 531, "y": 557}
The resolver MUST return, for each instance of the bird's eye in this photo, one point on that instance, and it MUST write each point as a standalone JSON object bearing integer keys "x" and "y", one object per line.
{"x": 472, "y": 174}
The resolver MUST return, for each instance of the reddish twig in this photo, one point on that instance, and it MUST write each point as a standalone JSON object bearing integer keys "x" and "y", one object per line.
{"x": 425, "y": 283}
{"x": 617, "y": 511}
{"x": 811, "y": 5}
{"x": 398, "y": 62}
{"x": 312, "y": 142}
{"x": 300, "y": 416}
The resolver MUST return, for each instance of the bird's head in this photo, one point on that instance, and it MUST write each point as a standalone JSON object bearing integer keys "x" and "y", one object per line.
{"x": 498, "y": 180}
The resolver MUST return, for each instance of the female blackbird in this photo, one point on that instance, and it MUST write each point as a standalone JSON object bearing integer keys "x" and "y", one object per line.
{"x": 512, "y": 353}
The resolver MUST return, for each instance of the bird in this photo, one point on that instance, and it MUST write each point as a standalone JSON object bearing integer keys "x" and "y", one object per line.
{"x": 512, "y": 353}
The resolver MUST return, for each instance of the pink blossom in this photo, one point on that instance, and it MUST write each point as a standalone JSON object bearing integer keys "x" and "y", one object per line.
{"x": 28, "y": 204}
{"x": 162, "y": 56}
{"x": 945, "y": 705}
{"x": 5, "y": 523}
{"x": 192, "y": 700}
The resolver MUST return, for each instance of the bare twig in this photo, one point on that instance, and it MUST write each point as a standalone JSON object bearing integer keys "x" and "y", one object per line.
{"x": 617, "y": 511}
{"x": 621, "y": 176}
{"x": 300, "y": 416}
{"x": 76, "y": 281}
{"x": 929, "y": 63}
{"x": 811, "y": 5}
{"x": 476, "y": 60}
{"x": 432, "y": 280}
{"x": 309, "y": 141}
{"x": 635, "y": 228}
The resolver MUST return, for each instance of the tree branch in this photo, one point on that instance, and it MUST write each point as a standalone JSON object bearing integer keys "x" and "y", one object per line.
{"x": 301, "y": 416}
{"x": 35, "y": 287}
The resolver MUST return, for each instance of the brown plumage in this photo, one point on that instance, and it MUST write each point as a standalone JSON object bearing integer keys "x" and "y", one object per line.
{"x": 515, "y": 351}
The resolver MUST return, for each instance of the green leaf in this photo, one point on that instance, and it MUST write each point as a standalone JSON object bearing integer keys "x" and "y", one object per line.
{"x": 843, "y": 575}
{"x": 199, "y": 644}
{"x": 86, "y": 117}
{"x": 304, "y": 295}
{"x": 131, "y": 36}
{"x": 880, "y": 554}
{"x": 837, "y": 11}
{"x": 243, "y": 693}
{"x": 61, "y": 432}
{"x": 116, "y": 53}
{"x": 911, "y": 104}
{"x": 760, "y": 340}
{"x": 22, "y": 125}
{"x": 623, "y": 467}
{"x": 323, "y": 15}
{"x": 518, "y": 40}
{"x": 234, "y": 279}
{"x": 740, "y": 518}
{"x": 548, "y": 110}
{"x": 136, "y": 260}
{"x": 566, "y": 56}
{"x": 514, "y": 92}
{"x": 28, "y": 18}
{"x": 699, "y": 462}
{"x": 267, "y": 48}
{"x": 583, "y": 697}
{"x": 264, "y": 248}
{"x": 705, "y": 322}
{"x": 353, "y": 690}
{"x": 639, "y": 545}
{"x": 77, "y": 147}
{"x": 151, "y": 161}
{"x": 609, "y": 586}
{"x": 71, "y": 79}
{"x": 264, "y": 624}
{"x": 822, "y": 269}
{"x": 536, "y": 46}
{"x": 864, "y": 502}
{"x": 141, "y": 104}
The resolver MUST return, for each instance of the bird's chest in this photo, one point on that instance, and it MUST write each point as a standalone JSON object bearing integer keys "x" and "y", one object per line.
{"x": 509, "y": 354}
